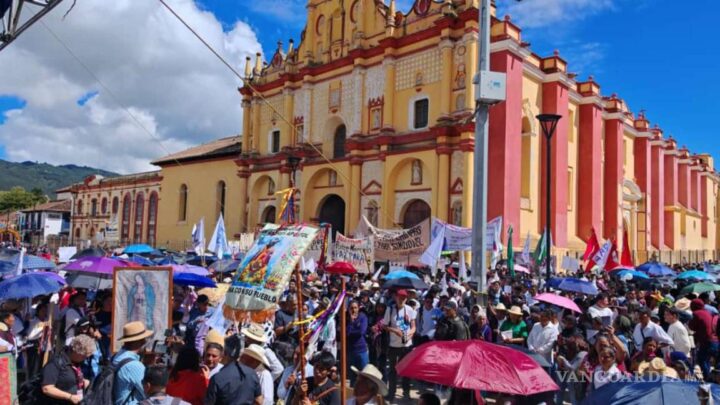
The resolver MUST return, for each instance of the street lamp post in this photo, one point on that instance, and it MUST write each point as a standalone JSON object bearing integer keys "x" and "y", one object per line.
{"x": 548, "y": 123}
{"x": 293, "y": 162}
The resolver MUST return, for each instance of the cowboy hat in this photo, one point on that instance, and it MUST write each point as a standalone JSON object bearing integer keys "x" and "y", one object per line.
{"x": 134, "y": 331}
{"x": 657, "y": 366}
{"x": 500, "y": 307}
{"x": 214, "y": 336}
{"x": 257, "y": 353}
{"x": 255, "y": 332}
{"x": 683, "y": 304}
{"x": 515, "y": 310}
{"x": 373, "y": 374}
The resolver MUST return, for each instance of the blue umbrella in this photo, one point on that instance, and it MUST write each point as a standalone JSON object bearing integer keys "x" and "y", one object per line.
{"x": 695, "y": 274}
{"x": 141, "y": 260}
{"x": 399, "y": 274}
{"x": 27, "y": 285}
{"x": 187, "y": 279}
{"x": 139, "y": 249}
{"x": 632, "y": 273}
{"x": 30, "y": 262}
{"x": 405, "y": 283}
{"x": 655, "y": 392}
{"x": 574, "y": 285}
{"x": 225, "y": 266}
{"x": 656, "y": 269}
{"x": 164, "y": 261}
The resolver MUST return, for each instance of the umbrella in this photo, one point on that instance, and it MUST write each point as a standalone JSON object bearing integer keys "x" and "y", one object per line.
{"x": 521, "y": 269}
{"x": 656, "y": 269}
{"x": 141, "y": 260}
{"x": 186, "y": 279}
{"x": 30, "y": 262}
{"x": 104, "y": 265}
{"x": 169, "y": 259}
{"x": 698, "y": 288}
{"x": 574, "y": 285}
{"x": 631, "y": 274}
{"x": 93, "y": 251}
{"x": 189, "y": 269}
{"x": 89, "y": 281}
{"x": 649, "y": 392}
{"x": 225, "y": 266}
{"x": 476, "y": 365}
{"x": 139, "y": 249}
{"x": 558, "y": 300}
{"x": 539, "y": 358}
{"x": 341, "y": 268}
{"x": 52, "y": 276}
{"x": 197, "y": 260}
{"x": 696, "y": 275}
{"x": 399, "y": 274}
{"x": 27, "y": 285}
{"x": 406, "y": 283}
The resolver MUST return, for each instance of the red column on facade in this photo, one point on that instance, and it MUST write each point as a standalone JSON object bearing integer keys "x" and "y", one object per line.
{"x": 671, "y": 193}
{"x": 555, "y": 101}
{"x": 684, "y": 183}
{"x": 657, "y": 191}
{"x": 504, "y": 144}
{"x": 703, "y": 203}
{"x": 613, "y": 173}
{"x": 643, "y": 171}
{"x": 695, "y": 187}
{"x": 589, "y": 206}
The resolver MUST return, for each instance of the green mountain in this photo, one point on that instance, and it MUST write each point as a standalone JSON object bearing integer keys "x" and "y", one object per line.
{"x": 44, "y": 176}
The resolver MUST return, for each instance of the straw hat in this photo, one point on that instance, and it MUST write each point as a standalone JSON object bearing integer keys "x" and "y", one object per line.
{"x": 373, "y": 374}
{"x": 683, "y": 304}
{"x": 214, "y": 336}
{"x": 256, "y": 332}
{"x": 500, "y": 307}
{"x": 515, "y": 310}
{"x": 257, "y": 353}
{"x": 657, "y": 366}
{"x": 134, "y": 331}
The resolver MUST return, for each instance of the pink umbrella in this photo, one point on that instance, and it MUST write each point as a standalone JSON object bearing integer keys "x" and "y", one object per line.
{"x": 521, "y": 269}
{"x": 558, "y": 300}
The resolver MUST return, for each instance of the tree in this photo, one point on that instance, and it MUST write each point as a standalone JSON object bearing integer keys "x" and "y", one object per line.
{"x": 38, "y": 195}
{"x": 16, "y": 199}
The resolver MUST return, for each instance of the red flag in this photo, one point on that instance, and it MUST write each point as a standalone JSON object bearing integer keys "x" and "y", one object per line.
{"x": 626, "y": 258}
{"x": 612, "y": 260}
{"x": 592, "y": 247}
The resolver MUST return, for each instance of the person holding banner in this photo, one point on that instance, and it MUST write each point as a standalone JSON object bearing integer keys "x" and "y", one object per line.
{"x": 400, "y": 324}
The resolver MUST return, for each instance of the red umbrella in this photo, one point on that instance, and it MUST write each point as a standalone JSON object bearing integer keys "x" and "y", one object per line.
{"x": 476, "y": 365}
{"x": 341, "y": 268}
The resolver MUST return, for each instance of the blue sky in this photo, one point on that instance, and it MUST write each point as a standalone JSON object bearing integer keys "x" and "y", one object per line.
{"x": 654, "y": 54}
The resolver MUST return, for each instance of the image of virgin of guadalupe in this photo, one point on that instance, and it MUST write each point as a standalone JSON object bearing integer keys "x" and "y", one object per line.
{"x": 256, "y": 271}
{"x": 141, "y": 302}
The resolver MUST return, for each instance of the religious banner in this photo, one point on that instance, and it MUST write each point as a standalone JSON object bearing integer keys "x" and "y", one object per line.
{"x": 112, "y": 230}
{"x": 403, "y": 245}
{"x": 265, "y": 270}
{"x": 8, "y": 378}
{"x": 358, "y": 252}
{"x": 142, "y": 294}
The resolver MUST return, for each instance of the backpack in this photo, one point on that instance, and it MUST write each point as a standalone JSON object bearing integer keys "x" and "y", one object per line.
{"x": 101, "y": 390}
{"x": 30, "y": 392}
{"x": 62, "y": 331}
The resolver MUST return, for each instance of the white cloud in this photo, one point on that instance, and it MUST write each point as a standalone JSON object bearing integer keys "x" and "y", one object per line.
{"x": 547, "y": 13}
{"x": 583, "y": 58}
{"x": 287, "y": 11}
{"x": 153, "y": 65}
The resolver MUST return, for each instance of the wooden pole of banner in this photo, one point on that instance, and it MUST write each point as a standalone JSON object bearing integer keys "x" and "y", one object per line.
{"x": 343, "y": 347}
{"x": 48, "y": 336}
{"x": 301, "y": 327}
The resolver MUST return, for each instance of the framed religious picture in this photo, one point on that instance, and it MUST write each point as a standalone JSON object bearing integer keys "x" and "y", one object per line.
{"x": 141, "y": 294}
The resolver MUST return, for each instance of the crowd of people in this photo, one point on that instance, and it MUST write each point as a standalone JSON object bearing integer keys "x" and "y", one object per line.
{"x": 63, "y": 342}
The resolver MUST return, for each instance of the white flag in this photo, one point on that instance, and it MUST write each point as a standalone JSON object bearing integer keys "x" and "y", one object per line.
{"x": 218, "y": 242}
{"x": 462, "y": 268}
{"x": 432, "y": 253}
{"x": 21, "y": 258}
{"x": 198, "y": 237}
{"x": 526, "y": 250}
{"x": 602, "y": 255}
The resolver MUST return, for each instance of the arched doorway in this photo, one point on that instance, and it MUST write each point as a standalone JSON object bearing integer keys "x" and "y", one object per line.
{"x": 332, "y": 211}
{"x": 269, "y": 215}
{"x": 415, "y": 212}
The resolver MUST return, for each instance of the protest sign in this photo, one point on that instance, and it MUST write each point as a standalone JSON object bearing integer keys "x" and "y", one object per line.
{"x": 404, "y": 245}
{"x": 65, "y": 253}
{"x": 265, "y": 270}
{"x": 319, "y": 248}
{"x": 358, "y": 252}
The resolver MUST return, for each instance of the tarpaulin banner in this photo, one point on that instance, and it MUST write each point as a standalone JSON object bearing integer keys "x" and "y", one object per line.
{"x": 403, "y": 245}
{"x": 265, "y": 270}
{"x": 319, "y": 247}
{"x": 358, "y": 252}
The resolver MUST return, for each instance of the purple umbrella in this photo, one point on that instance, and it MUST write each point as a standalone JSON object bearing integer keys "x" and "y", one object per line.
{"x": 102, "y": 265}
{"x": 189, "y": 269}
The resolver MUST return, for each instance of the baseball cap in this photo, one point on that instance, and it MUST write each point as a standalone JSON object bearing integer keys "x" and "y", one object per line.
{"x": 451, "y": 305}
{"x": 401, "y": 293}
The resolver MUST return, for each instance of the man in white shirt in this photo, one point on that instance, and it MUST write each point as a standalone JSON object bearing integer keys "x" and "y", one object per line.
{"x": 649, "y": 329}
{"x": 399, "y": 321}
{"x": 677, "y": 331}
{"x": 543, "y": 335}
{"x": 601, "y": 308}
{"x": 428, "y": 316}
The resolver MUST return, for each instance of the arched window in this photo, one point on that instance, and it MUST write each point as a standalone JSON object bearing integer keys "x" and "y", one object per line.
{"x": 220, "y": 198}
{"x": 339, "y": 142}
{"x": 269, "y": 215}
{"x": 115, "y": 205}
{"x": 126, "y": 208}
{"x": 93, "y": 207}
{"x": 103, "y": 206}
{"x": 152, "y": 218}
{"x": 79, "y": 207}
{"x": 77, "y": 234}
{"x": 139, "y": 211}
{"x": 182, "y": 206}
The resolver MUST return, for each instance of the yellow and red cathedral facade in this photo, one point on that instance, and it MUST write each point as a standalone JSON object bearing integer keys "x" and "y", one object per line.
{"x": 378, "y": 105}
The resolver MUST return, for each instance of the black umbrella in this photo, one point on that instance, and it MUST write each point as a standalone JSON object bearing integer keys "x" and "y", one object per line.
{"x": 89, "y": 281}
{"x": 405, "y": 283}
{"x": 89, "y": 252}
